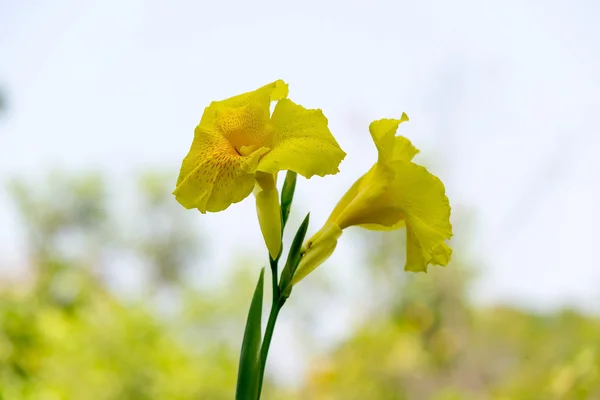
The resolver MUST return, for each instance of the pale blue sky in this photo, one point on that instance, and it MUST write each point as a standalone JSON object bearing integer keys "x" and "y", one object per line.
{"x": 502, "y": 97}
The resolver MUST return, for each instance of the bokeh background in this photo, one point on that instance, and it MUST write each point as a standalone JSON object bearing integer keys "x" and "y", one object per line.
{"x": 110, "y": 290}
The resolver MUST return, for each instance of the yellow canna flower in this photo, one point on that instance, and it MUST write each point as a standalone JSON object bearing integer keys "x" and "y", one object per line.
{"x": 394, "y": 193}
{"x": 239, "y": 145}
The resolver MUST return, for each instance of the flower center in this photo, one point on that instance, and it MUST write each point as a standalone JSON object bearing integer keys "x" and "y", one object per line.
{"x": 246, "y": 150}
{"x": 247, "y": 128}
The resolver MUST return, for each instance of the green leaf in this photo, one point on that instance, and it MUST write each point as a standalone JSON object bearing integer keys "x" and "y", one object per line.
{"x": 249, "y": 368}
{"x": 294, "y": 256}
{"x": 287, "y": 195}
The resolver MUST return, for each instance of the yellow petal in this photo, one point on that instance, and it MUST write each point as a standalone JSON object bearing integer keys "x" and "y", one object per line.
{"x": 374, "y": 202}
{"x": 383, "y": 133}
{"x": 417, "y": 259}
{"x": 268, "y": 210}
{"x": 376, "y": 227}
{"x": 422, "y": 200}
{"x": 393, "y": 195}
{"x": 441, "y": 255}
{"x": 304, "y": 143}
{"x": 403, "y": 149}
{"x": 367, "y": 201}
{"x": 347, "y": 198}
{"x": 264, "y": 96}
{"x": 213, "y": 175}
{"x": 318, "y": 249}
{"x": 246, "y": 127}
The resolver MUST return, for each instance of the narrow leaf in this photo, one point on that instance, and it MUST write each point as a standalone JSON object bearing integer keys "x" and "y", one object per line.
{"x": 294, "y": 256}
{"x": 249, "y": 368}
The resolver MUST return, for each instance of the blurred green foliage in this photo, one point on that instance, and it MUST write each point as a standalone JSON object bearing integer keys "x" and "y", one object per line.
{"x": 64, "y": 334}
{"x": 435, "y": 345}
{"x": 68, "y": 332}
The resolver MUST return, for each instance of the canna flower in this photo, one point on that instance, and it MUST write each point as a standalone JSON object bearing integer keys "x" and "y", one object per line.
{"x": 239, "y": 146}
{"x": 395, "y": 193}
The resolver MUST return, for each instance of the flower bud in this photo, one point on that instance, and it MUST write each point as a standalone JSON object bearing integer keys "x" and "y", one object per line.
{"x": 318, "y": 249}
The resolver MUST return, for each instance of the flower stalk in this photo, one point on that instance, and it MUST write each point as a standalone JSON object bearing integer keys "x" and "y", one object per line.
{"x": 276, "y": 305}
{"x": 279, "y": 295}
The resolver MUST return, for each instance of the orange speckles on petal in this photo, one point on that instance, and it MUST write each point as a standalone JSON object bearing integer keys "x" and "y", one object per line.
{"x": 213, "y": 175}
{"x": 232, "y": 136}
{"x": 245, "y": 126}
{"x": 235, "y": 134}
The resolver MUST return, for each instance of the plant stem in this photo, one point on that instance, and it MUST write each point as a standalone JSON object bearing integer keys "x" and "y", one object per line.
{"x": 264, "y": 350}
{"x": 287, "y": 194}
{"x": 278, "y": 302}
{"x": 274, "y": 276}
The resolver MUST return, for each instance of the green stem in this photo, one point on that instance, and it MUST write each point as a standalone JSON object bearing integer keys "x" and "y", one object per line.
{"x": 276, "y": 306}
{"x": 274, "y": 276}
{"x": 287, "y": 194}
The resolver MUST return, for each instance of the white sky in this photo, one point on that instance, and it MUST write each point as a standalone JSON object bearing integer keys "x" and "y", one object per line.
{"x": 502, "y": 98}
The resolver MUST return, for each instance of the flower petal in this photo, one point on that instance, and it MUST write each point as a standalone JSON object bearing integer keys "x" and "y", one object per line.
{"x": 347, "y": 198}
{"x": 304, "y": 143}
{"x": 264, "y": 96}
{"x": 246, "y": 127}
{"x": 213, "y": 175}
{"x": 368, "y": 203}
{"x": 374, "y": 202}
{"x": 421, "y": 198}
{"x": 441, "y": 255}
{"x": 383, "y": 133}
{"x": 417, "y": 259}
{"x": 403, "y": 149}
{"x": 376, "y": 227}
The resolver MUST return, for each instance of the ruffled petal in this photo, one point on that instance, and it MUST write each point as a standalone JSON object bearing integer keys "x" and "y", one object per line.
{"x": 383, "y": 132}
{"x": 263, "y": 96}
{"x": 417, "y": 258}
{"x": 213, "y": 175}
{"x": 441, "y": 255}
{"x": 421, "y": 198}
{"x": 304, "y": 143}
{"x": 403, "y": 149}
